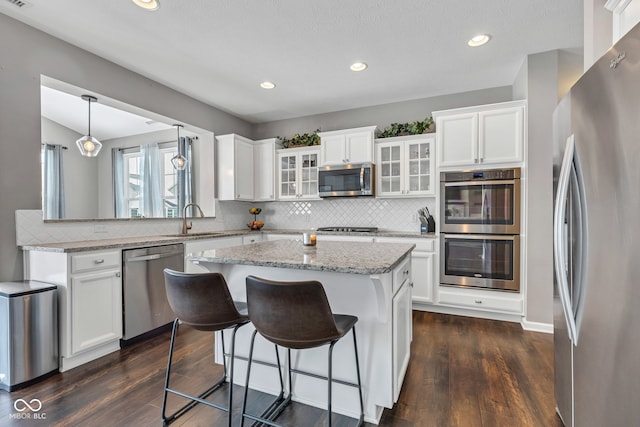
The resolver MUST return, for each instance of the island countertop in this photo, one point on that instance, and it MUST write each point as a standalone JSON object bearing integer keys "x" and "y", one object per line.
{"x": 341, "y": 257}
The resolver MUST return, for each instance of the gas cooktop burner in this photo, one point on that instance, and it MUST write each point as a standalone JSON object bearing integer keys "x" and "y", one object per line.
{"x": 350, "y": 229}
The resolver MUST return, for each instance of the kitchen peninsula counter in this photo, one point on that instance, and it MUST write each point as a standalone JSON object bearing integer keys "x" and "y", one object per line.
{"x": 369, "y": 280}
{"x": 341, "y": 257}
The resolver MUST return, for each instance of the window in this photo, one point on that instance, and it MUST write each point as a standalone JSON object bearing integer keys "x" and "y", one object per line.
{"x": 133, "y": 182}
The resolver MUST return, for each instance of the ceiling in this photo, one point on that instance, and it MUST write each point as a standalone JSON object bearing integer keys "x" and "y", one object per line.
{"x": 219, "y": 51}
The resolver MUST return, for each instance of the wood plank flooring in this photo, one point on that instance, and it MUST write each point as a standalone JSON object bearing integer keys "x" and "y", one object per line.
{"x": 463, "y": 372}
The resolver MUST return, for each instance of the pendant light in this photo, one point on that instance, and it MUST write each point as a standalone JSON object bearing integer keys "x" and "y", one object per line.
{"x": 179, "y": 161}
{"x": 88, "y": 145}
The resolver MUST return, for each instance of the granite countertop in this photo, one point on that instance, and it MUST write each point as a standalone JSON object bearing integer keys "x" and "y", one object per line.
{"x": 140, "y": 241}
{"x": 340, "y": 257}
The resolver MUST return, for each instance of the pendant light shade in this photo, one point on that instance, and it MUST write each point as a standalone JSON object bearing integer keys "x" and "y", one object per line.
{"x": 179, "y": 161}
{"x": 88, "y": 145}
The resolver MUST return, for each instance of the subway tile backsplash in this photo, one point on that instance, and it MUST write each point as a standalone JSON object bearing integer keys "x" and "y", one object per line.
{"x": 386, "y": 214}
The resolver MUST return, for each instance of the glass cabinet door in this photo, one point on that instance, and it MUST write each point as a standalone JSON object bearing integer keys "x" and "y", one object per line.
{"x": 288, "y": 176}
{"x": 389, "y": 168}
{"x": 308, "y": 174}
{"x": 419, "y": 168}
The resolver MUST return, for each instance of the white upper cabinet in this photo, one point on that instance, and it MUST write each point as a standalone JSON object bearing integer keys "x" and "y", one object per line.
{"x": 298, "y": 173}
{"x": 264, "y": 159}
{"x": 347, "y": 146}
{"x": 480, "y": 136}
{"x": 246, "y": 168}
{"x": 405, "y": 166}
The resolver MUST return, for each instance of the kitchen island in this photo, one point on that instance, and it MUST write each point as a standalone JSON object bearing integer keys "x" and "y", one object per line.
{"x": 368, "y": 280}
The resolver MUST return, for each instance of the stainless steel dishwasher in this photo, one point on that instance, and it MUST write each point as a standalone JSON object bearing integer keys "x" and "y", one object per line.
{"x": 145, "y": 306}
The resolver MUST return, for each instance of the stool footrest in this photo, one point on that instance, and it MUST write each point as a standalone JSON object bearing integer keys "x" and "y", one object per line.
{"x": 195, "y": 400}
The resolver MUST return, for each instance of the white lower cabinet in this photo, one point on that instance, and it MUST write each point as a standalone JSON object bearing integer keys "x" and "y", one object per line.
{"x": 423, "y": 260}
{"x": 90, "y": 300}
{"x": 96, "y": 314}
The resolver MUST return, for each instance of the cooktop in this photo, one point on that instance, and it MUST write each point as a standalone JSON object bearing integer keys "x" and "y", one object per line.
{"x": 350, "y": 229}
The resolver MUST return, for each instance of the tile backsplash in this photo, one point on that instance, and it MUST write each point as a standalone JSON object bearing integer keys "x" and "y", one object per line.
{"x": 386, "y": 214}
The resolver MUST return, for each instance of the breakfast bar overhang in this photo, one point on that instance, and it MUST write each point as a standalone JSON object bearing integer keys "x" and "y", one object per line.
{"x": 368, "y": 280}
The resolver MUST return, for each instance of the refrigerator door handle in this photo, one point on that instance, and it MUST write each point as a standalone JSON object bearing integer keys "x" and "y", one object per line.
{"x": 559, "y": 241}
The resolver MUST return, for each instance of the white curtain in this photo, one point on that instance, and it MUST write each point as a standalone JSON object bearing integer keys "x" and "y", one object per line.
{"x": 151, "y": 181}
{"x": 117, "y": 155}
{"x": 52, "y": 182}
{"x": 185, "y": 177}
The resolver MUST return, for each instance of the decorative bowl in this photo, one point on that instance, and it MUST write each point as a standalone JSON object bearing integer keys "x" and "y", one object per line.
{"x": 255, "y": 225}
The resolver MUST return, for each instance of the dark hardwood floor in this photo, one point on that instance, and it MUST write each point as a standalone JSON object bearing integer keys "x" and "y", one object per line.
{"x": 463, "y": 372}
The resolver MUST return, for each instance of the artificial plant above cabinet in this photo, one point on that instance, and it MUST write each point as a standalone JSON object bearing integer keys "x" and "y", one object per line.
{"x": 347, "y": 146}
{"x": 482, "y": 135}
{"x": 405, "y": 166}
{"x": 245, "y": 168}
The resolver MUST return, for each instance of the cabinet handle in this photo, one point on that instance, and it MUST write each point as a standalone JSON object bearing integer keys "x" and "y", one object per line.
{"x": 478, "y": 301}
{"x": 475, "y": 161}
{"x": 481, "y": 159}
{"x": 238, "y": 196}
{"x": 118, "y": 274}
{"x": 98, "y": 261}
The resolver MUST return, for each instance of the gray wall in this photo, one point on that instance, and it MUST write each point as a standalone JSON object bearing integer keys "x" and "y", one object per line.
{"x": 25, "y": 54}
{"x": 550, "y": 75}
{"x": 381, "y": 115}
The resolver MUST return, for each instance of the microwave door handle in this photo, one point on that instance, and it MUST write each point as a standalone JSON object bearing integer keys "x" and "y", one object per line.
{"x": 362, "y": 179}
{"x": 559, "y": 254}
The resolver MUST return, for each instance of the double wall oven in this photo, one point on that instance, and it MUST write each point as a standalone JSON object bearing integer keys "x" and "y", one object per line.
{"x": 480, "y": 229}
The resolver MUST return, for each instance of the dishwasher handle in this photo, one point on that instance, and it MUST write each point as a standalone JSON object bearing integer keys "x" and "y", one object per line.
{"x": 152, "y": 257}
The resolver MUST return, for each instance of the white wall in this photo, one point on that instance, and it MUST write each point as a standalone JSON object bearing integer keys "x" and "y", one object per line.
{"x": 25, "y": 55}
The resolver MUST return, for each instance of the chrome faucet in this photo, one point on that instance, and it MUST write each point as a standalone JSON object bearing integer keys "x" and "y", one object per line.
{"x": 186, "y": 227}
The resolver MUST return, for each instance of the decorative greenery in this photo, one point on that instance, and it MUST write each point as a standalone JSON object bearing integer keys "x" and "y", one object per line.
{"x": 401, "y": 129}
{"x": 301, "y": 140}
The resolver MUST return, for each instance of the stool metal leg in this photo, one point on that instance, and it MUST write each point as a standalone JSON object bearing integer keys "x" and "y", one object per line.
{"x": 330, "y": 382}
{"x": 355, "y": 350}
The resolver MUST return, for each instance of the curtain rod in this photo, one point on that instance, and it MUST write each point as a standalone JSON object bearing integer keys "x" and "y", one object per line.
{"x": 57, "y": 145}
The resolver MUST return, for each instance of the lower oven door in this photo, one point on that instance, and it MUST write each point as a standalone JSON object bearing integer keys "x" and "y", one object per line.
{"x": 480, "y": 261}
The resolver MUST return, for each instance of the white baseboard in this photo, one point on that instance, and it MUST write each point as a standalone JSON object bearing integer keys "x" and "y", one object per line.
{"x": 536, "y": 326}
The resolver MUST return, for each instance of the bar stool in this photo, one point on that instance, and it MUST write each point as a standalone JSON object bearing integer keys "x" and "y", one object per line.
{"x": 202, "y": 301}
{"x": 296, "y": 315}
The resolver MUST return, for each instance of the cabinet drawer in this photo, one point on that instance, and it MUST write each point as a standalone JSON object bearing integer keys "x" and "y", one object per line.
{"x": 401, "y": 274}
{"x": 481, "y": 301}
{"x": 95, "y": 261}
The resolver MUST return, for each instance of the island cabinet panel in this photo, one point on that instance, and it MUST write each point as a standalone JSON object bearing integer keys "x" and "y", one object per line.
{"x": 198, "y": 246}
{"x": 359, "y": 278}
{"x": 90, "y": 300}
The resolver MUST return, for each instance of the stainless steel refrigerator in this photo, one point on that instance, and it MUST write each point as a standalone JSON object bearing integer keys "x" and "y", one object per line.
{"x": 597, "y": 243}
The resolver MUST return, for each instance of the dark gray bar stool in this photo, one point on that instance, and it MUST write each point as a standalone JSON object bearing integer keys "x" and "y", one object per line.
{"x": 203, "y": 302}
{"x": 296, "y": 315}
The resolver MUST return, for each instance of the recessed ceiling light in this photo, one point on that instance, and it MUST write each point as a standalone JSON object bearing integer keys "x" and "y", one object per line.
{"x": 267, "y": 85}
{"x": 358, "y": 66}
{"x": 150, "y": 5}
{"x": 479, "y": 40}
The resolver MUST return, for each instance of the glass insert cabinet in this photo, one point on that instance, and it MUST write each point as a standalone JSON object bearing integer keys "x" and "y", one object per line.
{"x": 405, "y": 166}
{"x": 298, "y": 173}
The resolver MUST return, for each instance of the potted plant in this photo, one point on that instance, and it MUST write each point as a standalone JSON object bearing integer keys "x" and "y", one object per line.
{"x": 402, "y": 129}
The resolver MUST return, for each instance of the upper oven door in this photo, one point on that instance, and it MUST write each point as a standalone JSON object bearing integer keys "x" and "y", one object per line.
{"x": 491, "y": 207}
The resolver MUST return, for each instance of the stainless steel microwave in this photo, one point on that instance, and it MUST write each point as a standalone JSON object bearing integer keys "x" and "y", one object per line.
{"x": 347, "y": 180}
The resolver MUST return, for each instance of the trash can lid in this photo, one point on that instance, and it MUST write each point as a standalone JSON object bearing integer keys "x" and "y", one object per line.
{"x": 24, "y": 287}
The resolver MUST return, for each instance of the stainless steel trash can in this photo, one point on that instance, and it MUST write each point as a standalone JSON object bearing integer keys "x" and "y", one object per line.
{"x": 28, "y": 332}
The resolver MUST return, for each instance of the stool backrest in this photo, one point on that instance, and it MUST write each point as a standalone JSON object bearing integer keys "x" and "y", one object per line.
{"x": 201, "y": 300}
{"x": 291, "y": 314}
